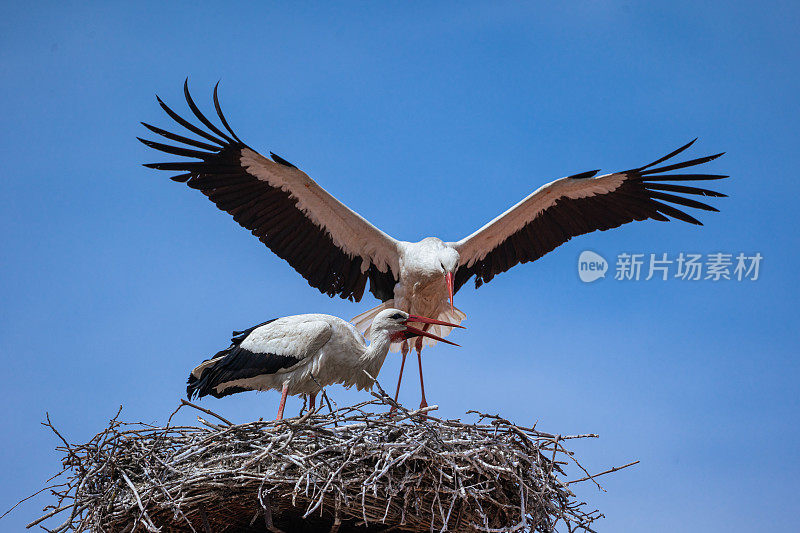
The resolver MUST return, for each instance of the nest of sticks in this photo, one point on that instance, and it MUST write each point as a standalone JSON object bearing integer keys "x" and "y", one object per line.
{"x": 358, "y": 468}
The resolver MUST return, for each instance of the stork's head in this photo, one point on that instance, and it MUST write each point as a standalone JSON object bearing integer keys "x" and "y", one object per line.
{"x": 431, "y": 258}
{"x": 396, "y": 324}
{"x": 448, "y": 260}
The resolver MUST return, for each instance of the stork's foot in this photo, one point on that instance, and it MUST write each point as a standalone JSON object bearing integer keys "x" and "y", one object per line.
{"x": 423, "y": 404}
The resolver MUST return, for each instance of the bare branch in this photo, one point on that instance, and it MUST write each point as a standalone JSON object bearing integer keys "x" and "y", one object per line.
{"x": 360, "y": 464}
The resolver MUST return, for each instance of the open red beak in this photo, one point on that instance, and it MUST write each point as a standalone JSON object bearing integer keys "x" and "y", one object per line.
{"x": 411, "y": 331}
{"x": 448, "y": 279}
{"x": 426, "y": 320}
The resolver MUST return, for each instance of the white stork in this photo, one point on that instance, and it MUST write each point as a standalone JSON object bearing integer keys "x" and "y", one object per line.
{"x": 300, "y": 354}
{"x": 337, "y": 251}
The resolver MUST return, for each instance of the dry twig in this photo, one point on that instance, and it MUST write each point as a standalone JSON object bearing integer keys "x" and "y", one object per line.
{"x": 354, "y": 467}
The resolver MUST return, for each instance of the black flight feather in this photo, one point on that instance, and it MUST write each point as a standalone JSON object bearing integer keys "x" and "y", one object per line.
{"x": 638, "y": 197}
{"x": 270, "y": 213}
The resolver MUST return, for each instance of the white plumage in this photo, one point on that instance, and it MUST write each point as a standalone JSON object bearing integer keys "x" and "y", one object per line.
{"x": 300, "y": 354}
{"x": 338, "y": 251}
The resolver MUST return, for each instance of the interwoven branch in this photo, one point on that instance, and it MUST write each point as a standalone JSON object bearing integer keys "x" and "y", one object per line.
{"x": 357, "y": 468}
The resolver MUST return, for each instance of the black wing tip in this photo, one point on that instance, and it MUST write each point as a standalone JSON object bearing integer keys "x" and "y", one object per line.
{"x": 669, "y": 155}
{"x": 689, "y": 219}
{"x": 647, "y": 171}
{"x": 201, "y": 117}
{"x": 684, "y": 147}
{"x": 278, "y": 159}
{"x": 698, "y": 161}
{"x": 146, "y": 142}
{"x": 220, "y": 142}
{"x": 221, "y": 115}
{"x": 648, "y": 174}
{"x": 186, "y": 93}
{"x": 585, "y": 175}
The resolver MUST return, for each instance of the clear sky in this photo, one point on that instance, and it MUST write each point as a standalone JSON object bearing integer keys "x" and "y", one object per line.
{"x": 428, "y": 120}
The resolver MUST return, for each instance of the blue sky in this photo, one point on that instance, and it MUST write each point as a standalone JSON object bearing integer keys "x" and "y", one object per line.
{"x": 428, "y": 120}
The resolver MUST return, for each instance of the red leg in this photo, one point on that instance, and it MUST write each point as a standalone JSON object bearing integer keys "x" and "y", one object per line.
{"x": 404, "y": 350}
{"x": 423, "y": 402}
{"x": 284, "y": 394}
{"x": 312, "y": 401}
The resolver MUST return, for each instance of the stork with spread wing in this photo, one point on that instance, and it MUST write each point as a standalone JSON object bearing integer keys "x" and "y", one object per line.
{"x": 337, "y": 251}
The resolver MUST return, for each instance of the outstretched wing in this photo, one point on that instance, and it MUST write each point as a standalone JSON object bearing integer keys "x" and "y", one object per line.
{"x": 331, "y": 246}
{"x": 580, "y": 204}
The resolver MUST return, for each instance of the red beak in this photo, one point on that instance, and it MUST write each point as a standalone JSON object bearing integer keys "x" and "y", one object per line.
{"x": 411, "y": 331}
{"x": 448, "y": 279}
{"x": 426, "y": 320}
{"x": 414, "y": 332}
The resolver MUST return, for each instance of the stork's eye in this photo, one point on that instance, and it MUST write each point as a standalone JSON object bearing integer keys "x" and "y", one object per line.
{"x": 397, "y": 316}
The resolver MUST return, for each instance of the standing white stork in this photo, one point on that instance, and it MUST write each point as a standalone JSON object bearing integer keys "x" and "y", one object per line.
{"x": 301, "y": 353}
{"x": 337, "y": 251}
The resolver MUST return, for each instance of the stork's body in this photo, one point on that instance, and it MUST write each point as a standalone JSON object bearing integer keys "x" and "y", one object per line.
{"x": 338, "y": 251}
{"x": 299, "y": 354}
{"x": 422, "y": 266}
{"x": 422, "y": 287}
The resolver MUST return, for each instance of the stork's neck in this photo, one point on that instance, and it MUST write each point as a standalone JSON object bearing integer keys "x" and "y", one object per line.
{"x": 371, "y": 360}
{"x": 378, "y": 346}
